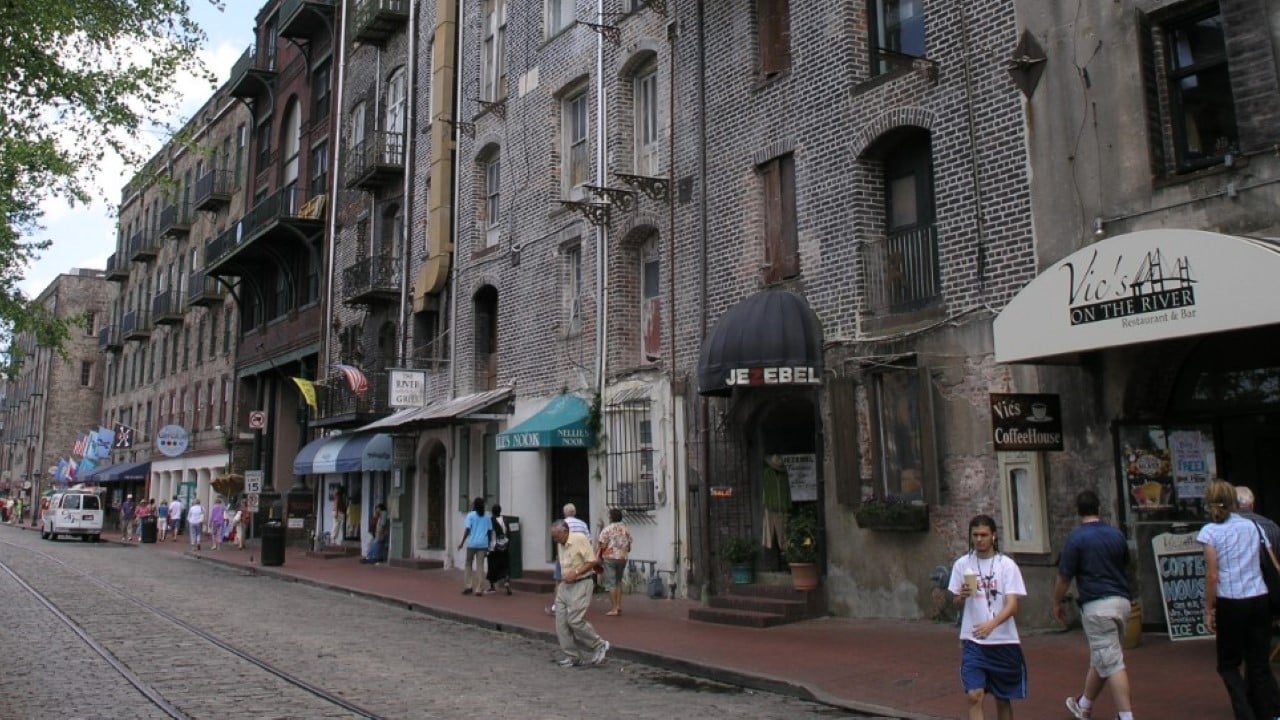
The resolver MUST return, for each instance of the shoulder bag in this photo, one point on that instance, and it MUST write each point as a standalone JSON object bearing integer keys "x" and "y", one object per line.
{"x": 1270, "y": 574}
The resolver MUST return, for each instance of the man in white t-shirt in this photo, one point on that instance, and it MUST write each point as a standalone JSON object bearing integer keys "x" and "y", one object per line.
{"x": 988, "y": 585}
{"x": 175, "y": 517}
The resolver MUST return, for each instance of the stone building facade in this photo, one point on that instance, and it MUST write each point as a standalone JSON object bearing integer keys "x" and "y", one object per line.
{"x": 54, "y": 399}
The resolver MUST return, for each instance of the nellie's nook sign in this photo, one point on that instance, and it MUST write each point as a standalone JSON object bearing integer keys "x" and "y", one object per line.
{"x": 1026, "y": 422}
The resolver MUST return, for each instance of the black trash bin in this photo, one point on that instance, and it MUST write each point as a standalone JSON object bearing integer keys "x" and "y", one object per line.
{"x": 272, "y": 544}
{"x": 515, "y": 548}
{"x": 147, "y": 529}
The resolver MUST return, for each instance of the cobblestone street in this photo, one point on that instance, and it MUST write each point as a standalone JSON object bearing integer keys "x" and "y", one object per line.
{"x": 390, "y": 662}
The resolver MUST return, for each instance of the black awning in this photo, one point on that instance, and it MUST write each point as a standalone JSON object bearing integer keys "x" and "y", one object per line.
{"x": 772, "y": 338}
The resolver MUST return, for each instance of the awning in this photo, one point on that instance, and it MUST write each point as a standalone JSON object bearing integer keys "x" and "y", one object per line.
{"x": 441, "y": 413}
{"x": 562, "y": 423}
{"x": 117, "y": 472}
{"x": 1141, "y": 287}
{"x": 357, "y": 452}
{"x": 772, "y": 338}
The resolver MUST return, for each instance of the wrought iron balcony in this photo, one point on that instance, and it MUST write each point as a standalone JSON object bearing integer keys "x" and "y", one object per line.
{"x": 253, "y": 74}
{"x": 432, "y": 356}
{"x": 109, "y": 339}
{"x": 372, "y": 280}
{"x": 143, "y": 246}
{"x": 901, "y": 271}
{"x": 136, "y": 325}
{"x": 175, "y": 220}
{"x": 117, "y": 268}
{"x": 304, "y": 19}
{"x": 377, "y": 20}
{"x": 376, "y": 161}
{"x": 339, "y": 406}
{"x": 203, "y": 290}
{"x": 166, "y": 309}
{"x": 213, "y": 190}
{"x": 281, "y": 220}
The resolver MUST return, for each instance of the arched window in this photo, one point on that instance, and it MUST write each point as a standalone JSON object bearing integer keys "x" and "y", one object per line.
{"x": 485, "y": 307}
{"x": 290, "y": 144}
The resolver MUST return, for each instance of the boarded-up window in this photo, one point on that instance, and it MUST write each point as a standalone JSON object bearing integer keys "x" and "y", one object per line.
{"x": 774, "y": 17}
{"x": 782, "y": 254}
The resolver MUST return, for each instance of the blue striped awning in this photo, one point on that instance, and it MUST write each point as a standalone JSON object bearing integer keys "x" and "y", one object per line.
{"x": 361, "y": 452}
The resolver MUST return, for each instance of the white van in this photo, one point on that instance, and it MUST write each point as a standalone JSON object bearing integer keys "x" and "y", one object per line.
{"x": 73, "y": 513}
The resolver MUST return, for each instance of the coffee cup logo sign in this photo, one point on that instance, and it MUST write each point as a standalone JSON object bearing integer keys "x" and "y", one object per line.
{"x": 1026, "y": 422}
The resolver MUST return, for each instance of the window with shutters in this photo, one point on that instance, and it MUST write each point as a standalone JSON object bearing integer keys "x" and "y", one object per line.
{"x": 773, "y": 18}
{"x": 782, "y": 252}
{"x": 1191, "y": 106}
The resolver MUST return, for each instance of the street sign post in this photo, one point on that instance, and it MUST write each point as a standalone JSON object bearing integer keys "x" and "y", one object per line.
{"x": 253, "y": 481}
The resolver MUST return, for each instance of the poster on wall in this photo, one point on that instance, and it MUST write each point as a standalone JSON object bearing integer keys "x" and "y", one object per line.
{"x": 1181, "y": 568}
{"x": 802, "y": 476}
{"x": 1164, "y": 470}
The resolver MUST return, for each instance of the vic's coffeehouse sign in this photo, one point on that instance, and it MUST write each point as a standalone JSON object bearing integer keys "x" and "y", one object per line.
{"x": 1026, "y": 422}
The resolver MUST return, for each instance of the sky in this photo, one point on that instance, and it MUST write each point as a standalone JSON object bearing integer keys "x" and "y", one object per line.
{"x": 83, "y": 237}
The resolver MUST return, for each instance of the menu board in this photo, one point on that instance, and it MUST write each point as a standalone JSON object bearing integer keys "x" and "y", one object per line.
{"x": 802, "y": 475}
{"x": 1180, "y": 566}
{"x": 1165, "y": 470}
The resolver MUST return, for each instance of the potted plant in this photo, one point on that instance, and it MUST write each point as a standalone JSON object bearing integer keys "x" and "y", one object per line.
{"x": 893, "y": 513}
{"x": 803, "y": 536}
{"x": 740, "y": 553}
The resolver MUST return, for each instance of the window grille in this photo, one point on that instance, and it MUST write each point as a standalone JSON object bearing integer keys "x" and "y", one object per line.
{"x": 630, "y": 482}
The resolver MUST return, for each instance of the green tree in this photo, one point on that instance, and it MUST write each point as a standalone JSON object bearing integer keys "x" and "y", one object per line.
{"x": 78, "y": 79}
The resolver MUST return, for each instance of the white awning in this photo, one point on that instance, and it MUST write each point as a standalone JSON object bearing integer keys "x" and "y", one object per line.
{"x": 440, "y": 413}
{"x": 1142, "y": 287}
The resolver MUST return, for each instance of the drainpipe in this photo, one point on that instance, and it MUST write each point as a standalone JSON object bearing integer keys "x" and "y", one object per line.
{"x": 602, "y": 231}
{"x": 322, "y": 369}
{"x": 676, "y": 433}
{"x": 704, "y": 493}
{"x": 979, "y": 212}
{"x": 411, "y": 94}
{"x": 453, "y": 225}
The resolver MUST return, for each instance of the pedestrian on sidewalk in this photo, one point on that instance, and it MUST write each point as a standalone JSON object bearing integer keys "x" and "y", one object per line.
{"x": 381, "y": 522}
{"x": 576, "y": 525}
{"x": 1244, "y": 499}
{"x": 217, "y": 522}
{"x": 499, "y": 559}
{"x": 477, "y": 533}
{"x": 1235, "y": 604}
{"x": 573, "y": 597}
{"x": 613, "y": 548}
{"x": 175, "y": 517}
{"x": 240, "y": 523}
{"x": 195, "y": 523}
{"x": 127, "y": 510}
{"x": 1096, "y": 556}
{"x": 337, "y": 535}
{"x": 987, "y": 585}
{"x": 162, "y": 519}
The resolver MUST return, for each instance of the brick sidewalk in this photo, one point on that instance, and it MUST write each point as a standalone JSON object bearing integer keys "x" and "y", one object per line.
{"x": 896, "y": 668}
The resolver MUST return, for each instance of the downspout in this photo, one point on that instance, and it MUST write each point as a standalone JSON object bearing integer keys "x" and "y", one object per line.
{"x": 980, "y": 216}
{"x": 704, "y": 493}
{"x": 602, "y": 230}
{"x": 453, "y": 224}
{"x": 676, "y": 434}
{"x": 322, "y": 370}
{"x": 410, "y": 122}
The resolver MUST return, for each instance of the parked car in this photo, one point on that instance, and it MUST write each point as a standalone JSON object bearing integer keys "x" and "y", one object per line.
{"x": 73, "y": 513}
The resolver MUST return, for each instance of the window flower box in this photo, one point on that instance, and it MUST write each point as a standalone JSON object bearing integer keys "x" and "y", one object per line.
{"x": 893, "y": 514}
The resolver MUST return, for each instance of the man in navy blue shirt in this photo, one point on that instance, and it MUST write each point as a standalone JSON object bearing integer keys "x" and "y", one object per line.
{"x": 1096, "y": 556}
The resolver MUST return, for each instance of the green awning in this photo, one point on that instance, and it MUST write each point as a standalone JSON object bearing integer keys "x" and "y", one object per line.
{"x": 561, "y": 424}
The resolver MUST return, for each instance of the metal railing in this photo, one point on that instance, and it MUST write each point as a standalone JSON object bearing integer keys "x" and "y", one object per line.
{"x": 339, "y": 399}
{"x": 380, "y": 151}
{"x": 375, "y": 275}
{"x": 901, "y": 270}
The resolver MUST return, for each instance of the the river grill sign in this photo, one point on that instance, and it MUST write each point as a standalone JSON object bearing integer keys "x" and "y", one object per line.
{"x": 1026, "y": 422}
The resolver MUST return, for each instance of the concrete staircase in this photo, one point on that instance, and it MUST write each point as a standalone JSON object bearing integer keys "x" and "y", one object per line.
{"x": 762, "y": 604}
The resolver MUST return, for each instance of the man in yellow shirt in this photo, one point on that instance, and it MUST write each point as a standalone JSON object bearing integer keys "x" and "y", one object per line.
{"x": 573, "y": 597}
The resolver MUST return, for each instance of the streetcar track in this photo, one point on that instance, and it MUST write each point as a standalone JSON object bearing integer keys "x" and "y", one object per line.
{"x": 147, "y": 690}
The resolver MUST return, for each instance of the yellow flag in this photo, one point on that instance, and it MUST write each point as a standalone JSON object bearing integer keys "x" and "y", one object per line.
{"x": 308, "y": 390}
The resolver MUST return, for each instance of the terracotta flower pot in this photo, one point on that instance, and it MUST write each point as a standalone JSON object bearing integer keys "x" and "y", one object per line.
{"x": 804, "y": 575}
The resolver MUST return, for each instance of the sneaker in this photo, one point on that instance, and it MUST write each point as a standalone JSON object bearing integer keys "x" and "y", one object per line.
{"x": 568, "y": 662}
{"x": 467, "y": 591}
{"x": 550, "y": 609}
{"x": 600, "y": 653}
{"x": 490, "y": 591}
{"x": 1077, "y": 712}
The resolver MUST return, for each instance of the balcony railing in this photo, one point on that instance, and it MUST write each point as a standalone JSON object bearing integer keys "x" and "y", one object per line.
{"x": 377, "y": 20}
{"x": 143, "y": 246}
{"x": 303, "y": 19}
{"x": 223, "y": 245}
{"x": 137, "y": 325}
{"x": 338, "y": 405}
{"x": 253, "y": 74}
{"x": 372, "y": 280}
{"x": 109, "y": 339}
{"x": 203, "y": 290}
{"x": 175, "y": 220}
{"x": 282, "y": 219}
{"x": 290, "y": 206}
{"x": 901, "y": 271}
{"x": 376, "y": 161}
{"x": 213, "y": 190}
{"x": 430, "y": 356}
{"x": 166, "y": 309}
{"x": 117, "y": 268}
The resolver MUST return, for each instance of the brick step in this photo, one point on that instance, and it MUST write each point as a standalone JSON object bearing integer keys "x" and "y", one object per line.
{"x": 765, "y": 590}
{"x": 739, "y": 618}
{"x": 789, "y": 609}
{"x": 328, "y": 554}
{"x": 416, "y": 563}
{"x": 535, "y": 582}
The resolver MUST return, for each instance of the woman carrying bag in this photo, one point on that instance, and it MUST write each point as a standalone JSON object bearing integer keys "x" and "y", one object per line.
{"x": 1237, "y": 609}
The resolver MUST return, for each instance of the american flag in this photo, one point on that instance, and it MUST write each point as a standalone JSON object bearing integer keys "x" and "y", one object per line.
{"x": 356, "y": 379}
{"x": 81, "y": 447}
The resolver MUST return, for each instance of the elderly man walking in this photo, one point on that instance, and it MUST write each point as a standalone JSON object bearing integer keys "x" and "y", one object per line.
{"x": 573, "y": 597}
{"x": 1244, "y": 498}
{"x": 1096, "y": 556}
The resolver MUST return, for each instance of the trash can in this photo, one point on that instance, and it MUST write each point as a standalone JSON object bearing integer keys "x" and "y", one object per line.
{"x": 514, "y": 554}
{"x": 147, "y": 529}
{"x": 272, "y": 552}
